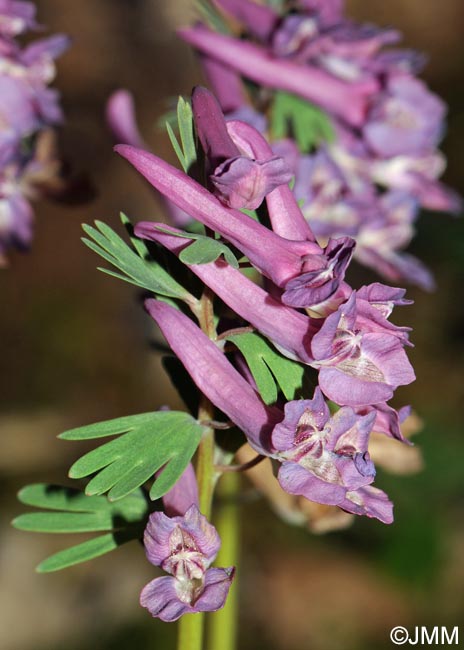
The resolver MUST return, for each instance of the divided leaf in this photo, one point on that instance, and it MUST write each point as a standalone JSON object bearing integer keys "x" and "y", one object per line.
{"x": 271, "y": 371}
{"x": 162, "y": 440}
{"x": 144, "y": 273}
{"x": 67, "y": 510}
{"x": 203, "y": 250}
{"x": 309, "y": 125}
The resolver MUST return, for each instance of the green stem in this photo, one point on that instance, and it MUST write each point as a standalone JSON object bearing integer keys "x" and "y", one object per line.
{"x": 223, "y": 628}
{"x": 190, "y": 632}
{"x": 191, "y": 626}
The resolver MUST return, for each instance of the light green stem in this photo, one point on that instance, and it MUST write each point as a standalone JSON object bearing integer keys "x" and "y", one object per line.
{"x": 190, "y": 632}
{"x": 223, "y": 628}
{"x": 191, "y": 626}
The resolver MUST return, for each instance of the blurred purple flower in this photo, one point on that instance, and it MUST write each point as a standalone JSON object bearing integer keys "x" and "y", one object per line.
{"x": 27, "y": 108}
{"x": 406, "y": 119}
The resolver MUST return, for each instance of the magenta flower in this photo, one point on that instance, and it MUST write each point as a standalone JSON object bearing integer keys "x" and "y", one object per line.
{"x": 16, "y": 17}
{"x": 323, "y": 456}
{"x": 290, "y": 330}
{"x": 359, "y": 366}
{"x": 318, "y": 285}
{"x": 185, "y": 547}
{"x": 407, "y": 119}
{"x": 369, "y": 501}
{"x": 285, "y": 215}
{"x": 120, "y": 116}
{"x": 238, "y": 180}
{"x": 215, "y": 376}
{"x": 349, "y": 101}
{"x": 278, "y": 258}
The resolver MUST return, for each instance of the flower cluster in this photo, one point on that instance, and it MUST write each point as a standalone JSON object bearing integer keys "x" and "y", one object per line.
{"x": 27, "y": 107}
{"x": 184, "y": 545}
{"x": 304, "y": 307}
{"x": 381, "y": 164}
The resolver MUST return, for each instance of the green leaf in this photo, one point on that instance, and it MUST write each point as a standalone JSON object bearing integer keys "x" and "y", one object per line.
{"x": 292, "y": 115}
{"x": 141, "y": 272}
{"x": 269, "y": 368}
{"x": 146, "y": 443}
{"x": 185, "y": 122}
{"x": 205, "y": 250}
{"x": 67, "y": 510}
{"x": 186, "y": 150}
{"x": 176, "y": 146}
{"x": 250, "y": 213}
{"x": 79, "y": 553}
{"x": 279, "y": 5}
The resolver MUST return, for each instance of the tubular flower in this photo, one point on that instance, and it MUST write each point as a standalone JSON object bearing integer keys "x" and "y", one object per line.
{"x": 323, "y": 458}
{"x": 386, "y": 123}
{"x": 337, "y": 338}
{"x": 239, "y": 181}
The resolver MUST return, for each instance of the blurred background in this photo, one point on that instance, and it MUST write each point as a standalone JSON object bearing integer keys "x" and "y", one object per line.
{"x": 75, "y": 349}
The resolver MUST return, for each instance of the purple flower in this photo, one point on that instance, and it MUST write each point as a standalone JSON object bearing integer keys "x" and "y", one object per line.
{"x": 183, "y": 494}
{"x": 17, "y": 111}
{"x": 322, "y": 282}
{"x": 323, "y": 456}
{"x": 379, "y": 241}
{"x": 369, "y": 501}
{"x": 243, "y": 183}
{"x": 120, "y": 116}
{"x": 259, "y": 20}
{"x": 225, "y": 83}
{"x": 215, "y": 376}
{"x": 27, "y": 106}
{"x": 277, "y": 258}
{"x": 349, "y": 101}
{"x": 285, "y": 215}
{"x": 406, "y": 119}
{"x": 16, "y": 17}
{"x": 387, "y": 419}
{"x": 289, "y": 330}
{"x": 329, "y": 12}
{"x": 418, "y": 176}
{"x": 185, "y": 547}
{"x": 239, "y": 181}
{"x": 359, "y": 366}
